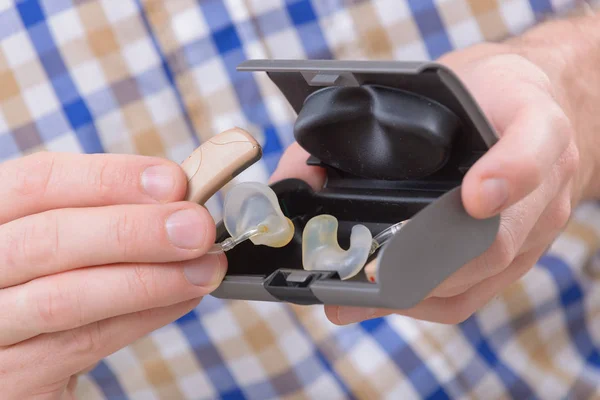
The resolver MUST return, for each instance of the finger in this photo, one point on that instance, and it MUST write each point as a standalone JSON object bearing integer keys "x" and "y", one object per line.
{"x": 519, "y": 162}
{"x": 516, "y": 224}
{"x": 552, "y": 221}
{"x": 557, "y": 214}
{"x": 454, "y": 310}
{"x": 60, "y": 240}
{"x": 451, "y": 310}
{"x": 72, "y": 386}
{"x": 534, "y": 131}
{"x": 51, "y": 357}
{"x": 526, "y": 225}
{"x": 75, "y": 298}
{"x": 45, "y": 181}
{"x": 293, "y": 165}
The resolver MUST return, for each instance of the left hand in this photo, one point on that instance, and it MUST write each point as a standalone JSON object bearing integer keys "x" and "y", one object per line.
{"x": 96, "y": 251}
{"x": 532, "y": 176}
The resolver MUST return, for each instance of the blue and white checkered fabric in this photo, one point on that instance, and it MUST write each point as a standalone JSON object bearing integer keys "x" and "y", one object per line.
{"x": 158, "y": 78}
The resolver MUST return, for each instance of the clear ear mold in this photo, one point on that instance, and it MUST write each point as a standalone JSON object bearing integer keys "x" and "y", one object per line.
{"x": 252, "y": 212}
{"x": 321, "y": 251}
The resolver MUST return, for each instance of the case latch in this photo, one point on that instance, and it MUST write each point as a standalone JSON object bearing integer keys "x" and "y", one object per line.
{"x": 293, "y": 285}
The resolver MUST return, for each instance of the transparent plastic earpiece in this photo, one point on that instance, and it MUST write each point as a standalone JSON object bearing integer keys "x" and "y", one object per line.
{"x": 321, "y": 251}
{"x": 252, "y": 212}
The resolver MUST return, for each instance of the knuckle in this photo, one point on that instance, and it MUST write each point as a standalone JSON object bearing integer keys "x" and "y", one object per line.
{"x": 526, "y": 71}
{"x": 459, "y": 311}
{"x": 570, "y": 160}
{"x": 87, "y": 339}
{"x": 519, "y": 68}
{"x": 106, "y": 176}
{"x": 53, "y": 307}
{"x": 32, "y": 177}
{"x": 142, "y": 282}
{"x": 563, "y": 128}
{"x": 562, "y": 213}
{"x": 99, "y": 177}
{"x": 124, "y": 229}
{"x": 464, "y": 306}
{"x": 44, "y": 240}
{"x": 539, "y": 79}
{"x": 503, "y": 252}
{"x": 11, "y": 252}
{"x": 33, "y": 242}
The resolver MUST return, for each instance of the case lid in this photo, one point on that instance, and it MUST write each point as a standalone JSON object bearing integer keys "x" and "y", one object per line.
{"x": 382, "y": 120}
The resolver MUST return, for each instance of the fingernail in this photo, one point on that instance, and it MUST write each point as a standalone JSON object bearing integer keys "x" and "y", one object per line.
{"x": 494, "y": 194}
{"x": 158, "y": 182}
{"x": 205, "y": 271}
{"x": 186, "y": 229}
{"x": 350, "y": 315}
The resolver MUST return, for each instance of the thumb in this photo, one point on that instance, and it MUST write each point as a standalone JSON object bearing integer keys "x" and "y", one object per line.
{"x": 293, "y": 165}
{"x": 534, "y": 131}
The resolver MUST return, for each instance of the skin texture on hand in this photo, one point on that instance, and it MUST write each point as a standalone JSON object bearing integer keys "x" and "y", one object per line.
{"x": 532, "y": 177}
{"x": 76, "y": 230}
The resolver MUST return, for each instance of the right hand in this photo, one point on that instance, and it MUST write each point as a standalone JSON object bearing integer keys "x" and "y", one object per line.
{"x": 96, "y": 251}
{"x": 532, "y": 178}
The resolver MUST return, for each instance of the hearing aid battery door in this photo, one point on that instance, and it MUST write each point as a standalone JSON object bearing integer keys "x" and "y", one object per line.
{"x": 395, "y": 140}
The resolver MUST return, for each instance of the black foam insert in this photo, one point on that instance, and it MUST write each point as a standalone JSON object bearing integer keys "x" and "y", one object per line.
{"x": 377, "y": 132}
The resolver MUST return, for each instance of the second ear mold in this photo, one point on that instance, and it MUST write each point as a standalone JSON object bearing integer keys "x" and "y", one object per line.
{"x": 321, "y": 251}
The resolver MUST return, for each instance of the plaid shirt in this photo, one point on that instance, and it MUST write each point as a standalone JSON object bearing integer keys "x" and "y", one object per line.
{"x": 158, "y": 77}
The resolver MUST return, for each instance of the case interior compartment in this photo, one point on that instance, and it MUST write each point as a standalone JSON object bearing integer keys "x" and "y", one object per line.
{"x": 376, "y": 210}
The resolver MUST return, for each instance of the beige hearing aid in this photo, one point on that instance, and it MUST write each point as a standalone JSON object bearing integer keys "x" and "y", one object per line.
{"x": 217, "y": 161}
{"x": 251, "y": 209}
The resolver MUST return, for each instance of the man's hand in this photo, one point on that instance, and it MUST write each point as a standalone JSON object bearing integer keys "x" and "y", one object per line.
{"x": 539, "y": 169}
{"x": 95, "y": 252}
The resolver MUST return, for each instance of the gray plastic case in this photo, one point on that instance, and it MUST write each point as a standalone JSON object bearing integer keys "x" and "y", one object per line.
{"x": 440, "y": 236}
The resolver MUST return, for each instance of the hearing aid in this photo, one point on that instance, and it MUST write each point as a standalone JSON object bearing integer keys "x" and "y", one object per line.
{"x": 217, "y": 161}
{"x": 251, "y": 210}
